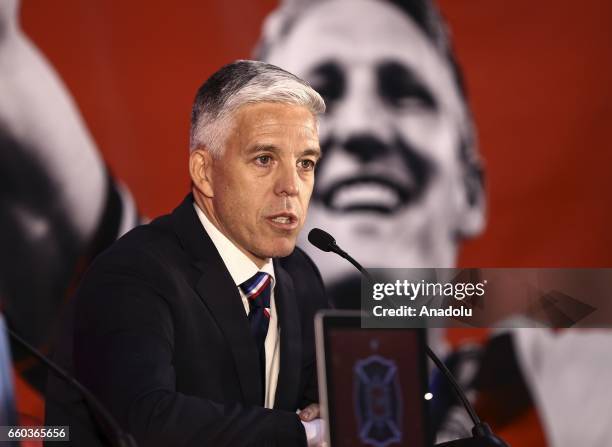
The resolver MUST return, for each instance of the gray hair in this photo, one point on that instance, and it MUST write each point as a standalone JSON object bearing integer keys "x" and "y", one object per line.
{"x": 237, "y": 84}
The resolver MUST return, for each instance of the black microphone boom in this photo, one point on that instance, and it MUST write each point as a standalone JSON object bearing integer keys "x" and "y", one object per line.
{"x": 108, "y": 424}
{"x": 482, "y": 434}
{"x": 325, "y": 241}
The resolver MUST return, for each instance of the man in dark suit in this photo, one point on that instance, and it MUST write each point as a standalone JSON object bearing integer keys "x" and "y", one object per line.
{"x": 196, "y": 330}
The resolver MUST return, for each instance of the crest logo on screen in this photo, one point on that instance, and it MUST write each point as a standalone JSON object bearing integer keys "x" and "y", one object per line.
{"x": 378, "y": 404}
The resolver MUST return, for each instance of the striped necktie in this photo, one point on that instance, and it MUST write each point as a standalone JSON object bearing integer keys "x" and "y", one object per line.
{"x": 257, "y": 290}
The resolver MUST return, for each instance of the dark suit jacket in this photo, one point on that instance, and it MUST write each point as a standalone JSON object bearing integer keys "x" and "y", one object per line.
{"x": 162, "y": 339}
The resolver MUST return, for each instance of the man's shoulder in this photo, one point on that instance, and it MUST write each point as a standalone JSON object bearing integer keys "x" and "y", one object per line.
{"x": 152, "y": 243}
{"x": 148, "y": 237}
{"x": 148, "y": 266}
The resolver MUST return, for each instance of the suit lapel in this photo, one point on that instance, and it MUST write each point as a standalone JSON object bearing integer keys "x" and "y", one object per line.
{"x": 290, "y": 343}
{"x": 220, "y": 295}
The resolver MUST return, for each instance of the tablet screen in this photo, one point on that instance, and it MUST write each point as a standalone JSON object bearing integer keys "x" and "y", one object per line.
{"x": 375, "y": 384}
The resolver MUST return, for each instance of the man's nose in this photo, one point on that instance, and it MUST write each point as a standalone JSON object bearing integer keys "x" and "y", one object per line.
{"x": 288, "y": 181}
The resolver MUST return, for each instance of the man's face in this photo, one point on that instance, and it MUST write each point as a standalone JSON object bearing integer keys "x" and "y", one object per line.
{"x": 390, "y": 184}
{"x": 261, "y": 185}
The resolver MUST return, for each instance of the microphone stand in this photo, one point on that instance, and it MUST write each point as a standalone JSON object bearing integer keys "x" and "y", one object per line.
{"x": 482, "y": 435}
{"x": 106, "y": 421}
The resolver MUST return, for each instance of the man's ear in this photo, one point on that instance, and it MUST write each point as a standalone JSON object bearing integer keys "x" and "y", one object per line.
{"x": 200, "y": 170}
{"x": 471, "y": 199}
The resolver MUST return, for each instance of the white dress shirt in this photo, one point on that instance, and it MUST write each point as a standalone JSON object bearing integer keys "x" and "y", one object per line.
{"x": 241, "y": 268}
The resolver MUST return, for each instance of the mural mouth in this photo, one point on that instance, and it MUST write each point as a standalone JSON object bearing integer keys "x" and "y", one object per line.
{"x": 370, "y": 193}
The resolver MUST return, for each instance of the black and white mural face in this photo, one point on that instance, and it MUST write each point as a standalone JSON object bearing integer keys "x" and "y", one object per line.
{"x": 391, "y": 186}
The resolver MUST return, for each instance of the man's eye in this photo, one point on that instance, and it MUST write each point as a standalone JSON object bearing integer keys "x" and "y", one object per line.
{"x": 307, "y": 165}
{"x": 263, "y": 160}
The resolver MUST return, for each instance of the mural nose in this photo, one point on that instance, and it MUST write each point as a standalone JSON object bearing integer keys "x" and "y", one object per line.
{"x": 366, "y": 147}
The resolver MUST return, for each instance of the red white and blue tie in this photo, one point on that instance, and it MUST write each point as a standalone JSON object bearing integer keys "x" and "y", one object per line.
{"x": 257, "y": 290}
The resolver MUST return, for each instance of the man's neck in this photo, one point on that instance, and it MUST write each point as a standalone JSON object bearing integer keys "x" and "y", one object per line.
{"x": 207, "y": 208}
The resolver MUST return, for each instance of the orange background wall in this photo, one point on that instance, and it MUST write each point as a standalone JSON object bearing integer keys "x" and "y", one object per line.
{"x": 539, "y": 76}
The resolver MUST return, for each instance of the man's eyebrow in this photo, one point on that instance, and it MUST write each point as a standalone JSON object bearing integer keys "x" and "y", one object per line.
{"x": 315, "y": 151}
{"x": 262, "y": 148}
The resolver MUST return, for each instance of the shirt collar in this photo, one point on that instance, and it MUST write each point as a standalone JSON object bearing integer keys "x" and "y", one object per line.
{"x": 240, "y": 267}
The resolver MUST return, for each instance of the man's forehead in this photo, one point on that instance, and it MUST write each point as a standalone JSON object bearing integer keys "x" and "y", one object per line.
{"x": 263, "y": 123}
{"x": 269, "y": 114}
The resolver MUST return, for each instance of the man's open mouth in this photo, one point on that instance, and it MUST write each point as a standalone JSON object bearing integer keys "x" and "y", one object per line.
{"x": 284, "y": 221}
{"x": 366, "y": 193}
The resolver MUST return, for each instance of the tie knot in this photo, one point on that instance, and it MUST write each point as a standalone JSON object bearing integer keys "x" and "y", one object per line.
{"x": 255, "y": 285}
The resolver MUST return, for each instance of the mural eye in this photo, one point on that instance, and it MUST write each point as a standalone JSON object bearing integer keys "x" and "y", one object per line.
{"x": 401, "y": 89}
{"x": 329, "y": 81}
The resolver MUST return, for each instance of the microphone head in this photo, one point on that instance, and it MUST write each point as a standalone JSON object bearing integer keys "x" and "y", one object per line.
{"x": 321, "y": 239}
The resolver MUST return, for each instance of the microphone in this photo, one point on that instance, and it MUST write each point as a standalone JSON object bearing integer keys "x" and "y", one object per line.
{"x": 323, "y": 240}
{"x": 107, "y": 423}
{"x": 483, "y": 436}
